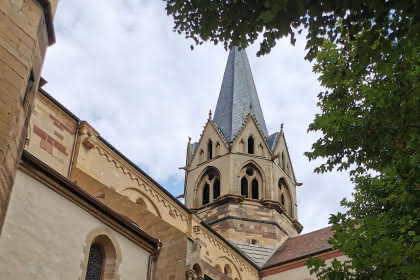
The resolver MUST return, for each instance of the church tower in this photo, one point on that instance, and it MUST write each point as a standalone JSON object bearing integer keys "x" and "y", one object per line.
{"x": 239, "y": 178}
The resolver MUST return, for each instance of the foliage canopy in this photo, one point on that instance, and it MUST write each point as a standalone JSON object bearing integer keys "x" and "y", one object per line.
{"x": 367, "y": 53}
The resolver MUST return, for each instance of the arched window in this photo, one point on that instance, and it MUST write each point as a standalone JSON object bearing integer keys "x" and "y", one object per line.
{"x": 251, "y": 182}
{"x": 208, "y": 187}
{"x": 206, "y": 194}
{"x": 217, "y": 149}
{"x": 227, "y": 270}
{"x": 285, "y": 197}
{"x": 209, "y": 150}
{"x": 244, "y": 187}
{"x": 101, "y": 260}
{"x": 282, "y": 160}
{"x": 260, "y": 150}
{"x": 216, "y": 188}
{"x": 95, "y": 266}
{"x": 201, "y": 156}
{"x": 255, "y": 189}
{"x": 242, "y": 146}
{"x": 197, "y": 271}
{"x": 250, "y": 145}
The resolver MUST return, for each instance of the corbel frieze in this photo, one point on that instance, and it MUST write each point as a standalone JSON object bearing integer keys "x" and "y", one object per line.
{"x": 143, "y": 185}
{"x": 225, "y": 250}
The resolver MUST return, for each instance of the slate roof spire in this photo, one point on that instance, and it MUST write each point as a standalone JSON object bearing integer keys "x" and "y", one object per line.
{"x": 238, "y": 96}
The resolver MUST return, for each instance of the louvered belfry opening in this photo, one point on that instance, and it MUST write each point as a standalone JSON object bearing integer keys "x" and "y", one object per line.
{"x": 95, "y": 267}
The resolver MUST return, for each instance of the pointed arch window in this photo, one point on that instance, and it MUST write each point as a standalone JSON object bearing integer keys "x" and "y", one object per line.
{"x": 95, "y": 266}
{"x": 250, "y": 145}
{"x": 227, "y": 270}
{"x": 251, "y": 182}
{"x": 208, "y": 187}
{"x": 285, "y": 197}
{"x": 244, "y": 187}
{"x": 217, "y": 149}
{"x": 209, "y": 150}
{"x": 255, "y": 192}
{"x": 282, "y": 160}
{"x": 216, "y": 188}
{"x": 206, "y": 194}
{"x": 201, "y": 156}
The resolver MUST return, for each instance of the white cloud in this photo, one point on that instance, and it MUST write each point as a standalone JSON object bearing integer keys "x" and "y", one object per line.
{"x": 120, "y": 67}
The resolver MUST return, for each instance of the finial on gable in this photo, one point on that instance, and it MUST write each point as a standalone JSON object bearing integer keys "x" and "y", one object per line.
{"x": 281, "y": 127}
{"x": 189, "y": 139}
{"x": 210, "y": 114}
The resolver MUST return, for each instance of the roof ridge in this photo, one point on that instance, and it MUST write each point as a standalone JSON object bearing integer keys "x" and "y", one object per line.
{"x": 329, "y": 227}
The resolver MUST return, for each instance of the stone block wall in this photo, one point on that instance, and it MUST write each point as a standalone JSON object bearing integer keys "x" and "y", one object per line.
{"x": 249, "y": 222}
{"x": 170, "y": 263}
{"x": 24, "y": 37}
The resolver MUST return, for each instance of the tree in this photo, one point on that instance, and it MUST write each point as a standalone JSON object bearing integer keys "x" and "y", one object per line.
{"x": 368, "y": 56}
{"x": 371, "y": 125}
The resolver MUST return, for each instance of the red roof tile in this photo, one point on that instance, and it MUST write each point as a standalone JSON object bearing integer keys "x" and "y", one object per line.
{"x": 301, "y": 246}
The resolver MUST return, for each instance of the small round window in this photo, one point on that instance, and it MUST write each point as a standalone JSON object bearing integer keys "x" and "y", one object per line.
{"x": 249, "y": 171}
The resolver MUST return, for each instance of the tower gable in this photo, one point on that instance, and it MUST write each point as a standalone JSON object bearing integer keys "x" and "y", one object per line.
{"x": 241, "y": 142}
{"x": 202, "y": 152}
{"x": 282, "y": 157}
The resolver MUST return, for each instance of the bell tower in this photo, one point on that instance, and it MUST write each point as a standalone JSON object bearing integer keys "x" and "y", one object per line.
{"x": 239, "y": 178}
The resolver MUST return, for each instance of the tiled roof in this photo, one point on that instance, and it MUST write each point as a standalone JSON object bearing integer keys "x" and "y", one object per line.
{"x": 259, "y": 254}
{"x": 302, "y": 246}
{"x": 272, "y": 139}
{"x": 238, "y": 96}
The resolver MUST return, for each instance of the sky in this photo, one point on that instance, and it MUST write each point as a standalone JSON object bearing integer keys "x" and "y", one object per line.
{"x": 119, "y": 66}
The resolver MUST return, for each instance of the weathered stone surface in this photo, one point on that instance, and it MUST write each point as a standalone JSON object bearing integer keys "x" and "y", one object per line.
{"x": 20, "y": 52}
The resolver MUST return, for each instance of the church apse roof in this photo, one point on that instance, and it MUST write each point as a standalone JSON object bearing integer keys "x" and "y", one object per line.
{"x": 302, "y": 246}
{"x": 238, "y": 97}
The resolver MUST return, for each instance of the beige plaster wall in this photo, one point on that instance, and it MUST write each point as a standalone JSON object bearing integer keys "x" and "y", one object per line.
{"x": 44, "y": 236}
{"x": 299, "y": 273}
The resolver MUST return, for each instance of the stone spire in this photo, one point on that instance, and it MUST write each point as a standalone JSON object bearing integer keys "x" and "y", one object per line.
{"x": 238, "y": 96}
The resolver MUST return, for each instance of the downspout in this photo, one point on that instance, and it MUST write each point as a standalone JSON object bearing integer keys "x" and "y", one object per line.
{"x": 73, "y": 151}
{"x": 151, "y": 261}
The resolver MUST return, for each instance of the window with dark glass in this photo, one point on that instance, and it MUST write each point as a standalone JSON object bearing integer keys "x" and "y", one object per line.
{"x": 255, "y": 189}
{"x": 210, "y": 150}
{"x": 216, "y": 188}
{"x": 250, "y": 145}
{"x": 95, "y": 266}
{"x": 244, "y": 187}
{"x": 206, "y": 194}
{"x": 29, "y": 87}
